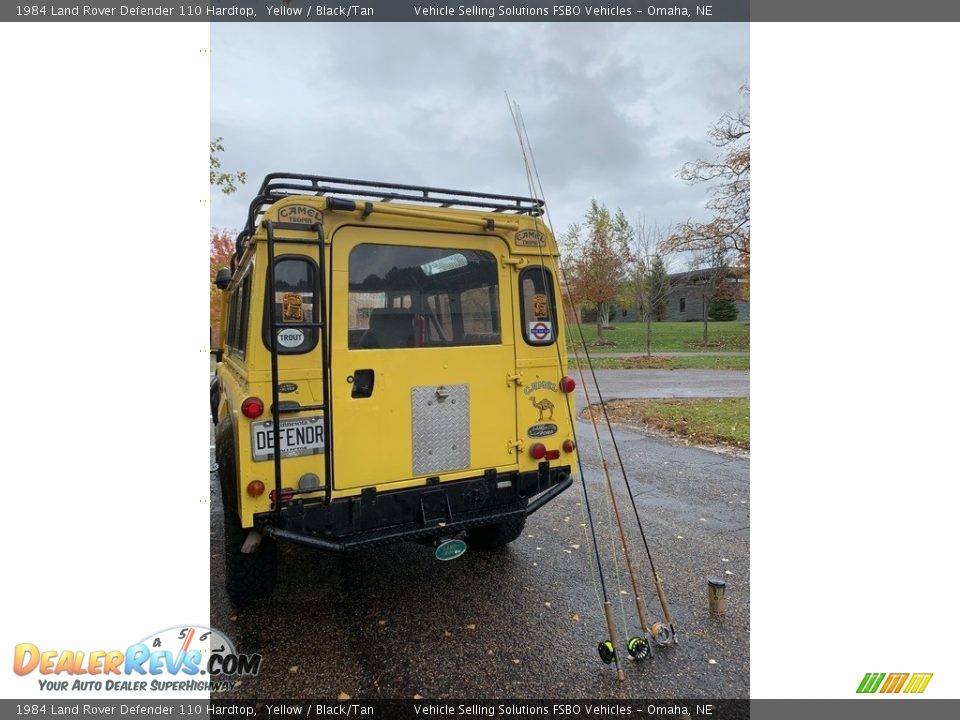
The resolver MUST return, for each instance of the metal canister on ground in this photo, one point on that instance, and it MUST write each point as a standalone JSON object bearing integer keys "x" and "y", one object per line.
{"x": 716, "y": 595}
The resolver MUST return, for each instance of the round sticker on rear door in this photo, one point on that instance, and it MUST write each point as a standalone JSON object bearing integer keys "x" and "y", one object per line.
{"x": 290, "y": 337}
{"x": 540, "y": 331}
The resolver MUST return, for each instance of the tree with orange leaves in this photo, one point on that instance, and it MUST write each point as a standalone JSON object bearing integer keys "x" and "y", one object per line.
{"x": 599, "y": 259}
{"x": 221, "y": 251}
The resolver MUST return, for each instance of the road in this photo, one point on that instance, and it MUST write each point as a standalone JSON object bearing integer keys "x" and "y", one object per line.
{"x": 665, "y": 383}
{"x": 523, "y": 622}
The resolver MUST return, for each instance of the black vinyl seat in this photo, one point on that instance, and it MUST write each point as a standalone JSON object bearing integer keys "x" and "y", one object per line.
{"x": 389, "y": 328}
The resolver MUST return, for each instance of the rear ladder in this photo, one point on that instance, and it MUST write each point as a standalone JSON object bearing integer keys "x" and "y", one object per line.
{"x": 278, "y": 409}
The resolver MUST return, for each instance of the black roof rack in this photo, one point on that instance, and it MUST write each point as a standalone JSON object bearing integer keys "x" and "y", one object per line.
{"x": 280, "y": 185}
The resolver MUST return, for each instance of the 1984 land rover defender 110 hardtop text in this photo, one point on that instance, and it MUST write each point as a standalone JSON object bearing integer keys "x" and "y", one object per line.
{"x": 404, "y": 348}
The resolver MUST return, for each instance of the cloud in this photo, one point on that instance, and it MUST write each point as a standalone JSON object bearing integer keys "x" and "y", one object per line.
{"x": 612, "y": 109}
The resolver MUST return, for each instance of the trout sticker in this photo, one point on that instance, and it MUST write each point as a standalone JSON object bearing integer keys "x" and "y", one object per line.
{"x": 290, "y": 337}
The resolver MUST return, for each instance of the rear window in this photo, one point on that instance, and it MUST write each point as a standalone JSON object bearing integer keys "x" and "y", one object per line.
{"x": 294, "y": 295}
{"x": 537, "y": 311}
{"x": 403, "y": 296}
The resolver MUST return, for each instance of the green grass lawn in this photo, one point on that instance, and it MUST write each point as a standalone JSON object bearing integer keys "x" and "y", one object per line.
{"x": 705, "y": 421}
{"x": 695, "y": 362}
{"x": 668, "y": 337}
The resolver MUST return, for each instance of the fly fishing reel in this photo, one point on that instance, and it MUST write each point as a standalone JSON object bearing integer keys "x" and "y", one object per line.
{"x": 608, "y": 653}
{"x": 639, "y": 648}
{"x": 662, "y": 635}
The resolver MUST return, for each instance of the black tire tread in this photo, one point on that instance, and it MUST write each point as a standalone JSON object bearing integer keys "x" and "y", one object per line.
{"x": 250, "y": 576}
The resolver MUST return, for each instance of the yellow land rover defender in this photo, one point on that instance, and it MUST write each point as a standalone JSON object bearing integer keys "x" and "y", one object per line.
{"x": 403, "y": 348}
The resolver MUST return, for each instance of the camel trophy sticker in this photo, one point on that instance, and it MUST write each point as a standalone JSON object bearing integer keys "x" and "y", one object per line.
{"x": 292, "y": 307}
{"x": 540, "y": 306}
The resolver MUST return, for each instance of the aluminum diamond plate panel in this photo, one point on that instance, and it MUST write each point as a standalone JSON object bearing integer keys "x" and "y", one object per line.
{"x": 441, "y": 428}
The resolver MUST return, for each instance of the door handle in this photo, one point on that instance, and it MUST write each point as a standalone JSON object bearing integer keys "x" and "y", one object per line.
{"x": 362, "y": 383}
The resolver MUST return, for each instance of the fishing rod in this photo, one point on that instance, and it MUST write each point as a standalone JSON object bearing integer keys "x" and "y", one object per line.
{"x": 607, "y": 648}
{"x": 658, "y": 632}
{"x": 661, "y": 634}
{"x": 638, "y": 647}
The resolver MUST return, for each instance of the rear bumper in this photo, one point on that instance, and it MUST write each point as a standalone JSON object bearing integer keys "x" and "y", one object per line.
{"x": 372, "y": 519}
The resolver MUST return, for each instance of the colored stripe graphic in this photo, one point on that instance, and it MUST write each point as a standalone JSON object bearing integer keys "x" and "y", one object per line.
{"x": 918, "y": 683}
{"x": 915, "y": 683}
{"x": 894, "y": 682}
{"x": 870, "y": 682}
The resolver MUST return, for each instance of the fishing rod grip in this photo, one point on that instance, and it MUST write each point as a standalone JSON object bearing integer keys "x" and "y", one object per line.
{"x": 664, "y": 604}
{"x": 642, "y": 612}
{"x": 612, "y": 629}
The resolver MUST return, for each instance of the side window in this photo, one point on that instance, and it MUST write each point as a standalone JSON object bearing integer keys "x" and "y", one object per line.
{"x": 239, "y": 315}
{"x": 537, "y": 308}
{"x": 294, "y": 301}
{"x": 404, "y": 297}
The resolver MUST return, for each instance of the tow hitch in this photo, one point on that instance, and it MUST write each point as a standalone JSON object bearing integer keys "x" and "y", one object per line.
{"x": 449, "y": 548}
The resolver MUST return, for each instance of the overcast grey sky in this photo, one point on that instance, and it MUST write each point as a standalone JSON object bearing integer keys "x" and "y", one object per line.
{"x": 612, "y": 110}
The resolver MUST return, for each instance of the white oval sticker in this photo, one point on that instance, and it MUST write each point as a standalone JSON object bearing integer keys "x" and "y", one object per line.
{"x": 290, "y": 337}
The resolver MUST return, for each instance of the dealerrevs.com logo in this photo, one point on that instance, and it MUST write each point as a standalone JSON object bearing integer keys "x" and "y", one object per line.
{"x": 181, "y": 659}
{"x": 912, "y": 683}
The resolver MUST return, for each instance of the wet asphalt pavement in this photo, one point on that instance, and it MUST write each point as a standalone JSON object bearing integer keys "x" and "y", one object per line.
{"x": 524, "y": 621}
{"x": 666, "y": 383}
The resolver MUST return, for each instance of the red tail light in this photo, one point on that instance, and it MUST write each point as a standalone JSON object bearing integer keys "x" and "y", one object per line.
{"x": 569, "y": 446}
{"x": 286, "y": 494}
{"x": 538, "y": 451}
{"x": 567, "y": 384}
{"x": 252, "y": 407}
{"x": 553, "y": 454}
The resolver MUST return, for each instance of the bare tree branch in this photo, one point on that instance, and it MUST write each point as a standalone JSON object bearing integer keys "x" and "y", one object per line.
{"x": 728, "y": 179}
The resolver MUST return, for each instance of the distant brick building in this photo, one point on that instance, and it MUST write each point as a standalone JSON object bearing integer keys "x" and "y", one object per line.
{"x": 687, "y": 302}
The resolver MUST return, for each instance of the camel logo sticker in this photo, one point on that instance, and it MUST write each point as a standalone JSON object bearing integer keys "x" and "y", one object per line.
{"x": 543, "y": 406}
{"x": 541, "y": 385}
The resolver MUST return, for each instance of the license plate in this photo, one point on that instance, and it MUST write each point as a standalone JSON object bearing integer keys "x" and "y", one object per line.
{"x": 298, "y": 436}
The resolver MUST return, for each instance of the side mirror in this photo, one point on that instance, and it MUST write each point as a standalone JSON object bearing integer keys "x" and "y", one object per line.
{"x": 217, "y": 354}
{"x": 223, "y": 278}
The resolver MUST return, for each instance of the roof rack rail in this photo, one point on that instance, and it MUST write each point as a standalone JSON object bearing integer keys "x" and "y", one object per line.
{"x": 280, "y": 185}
